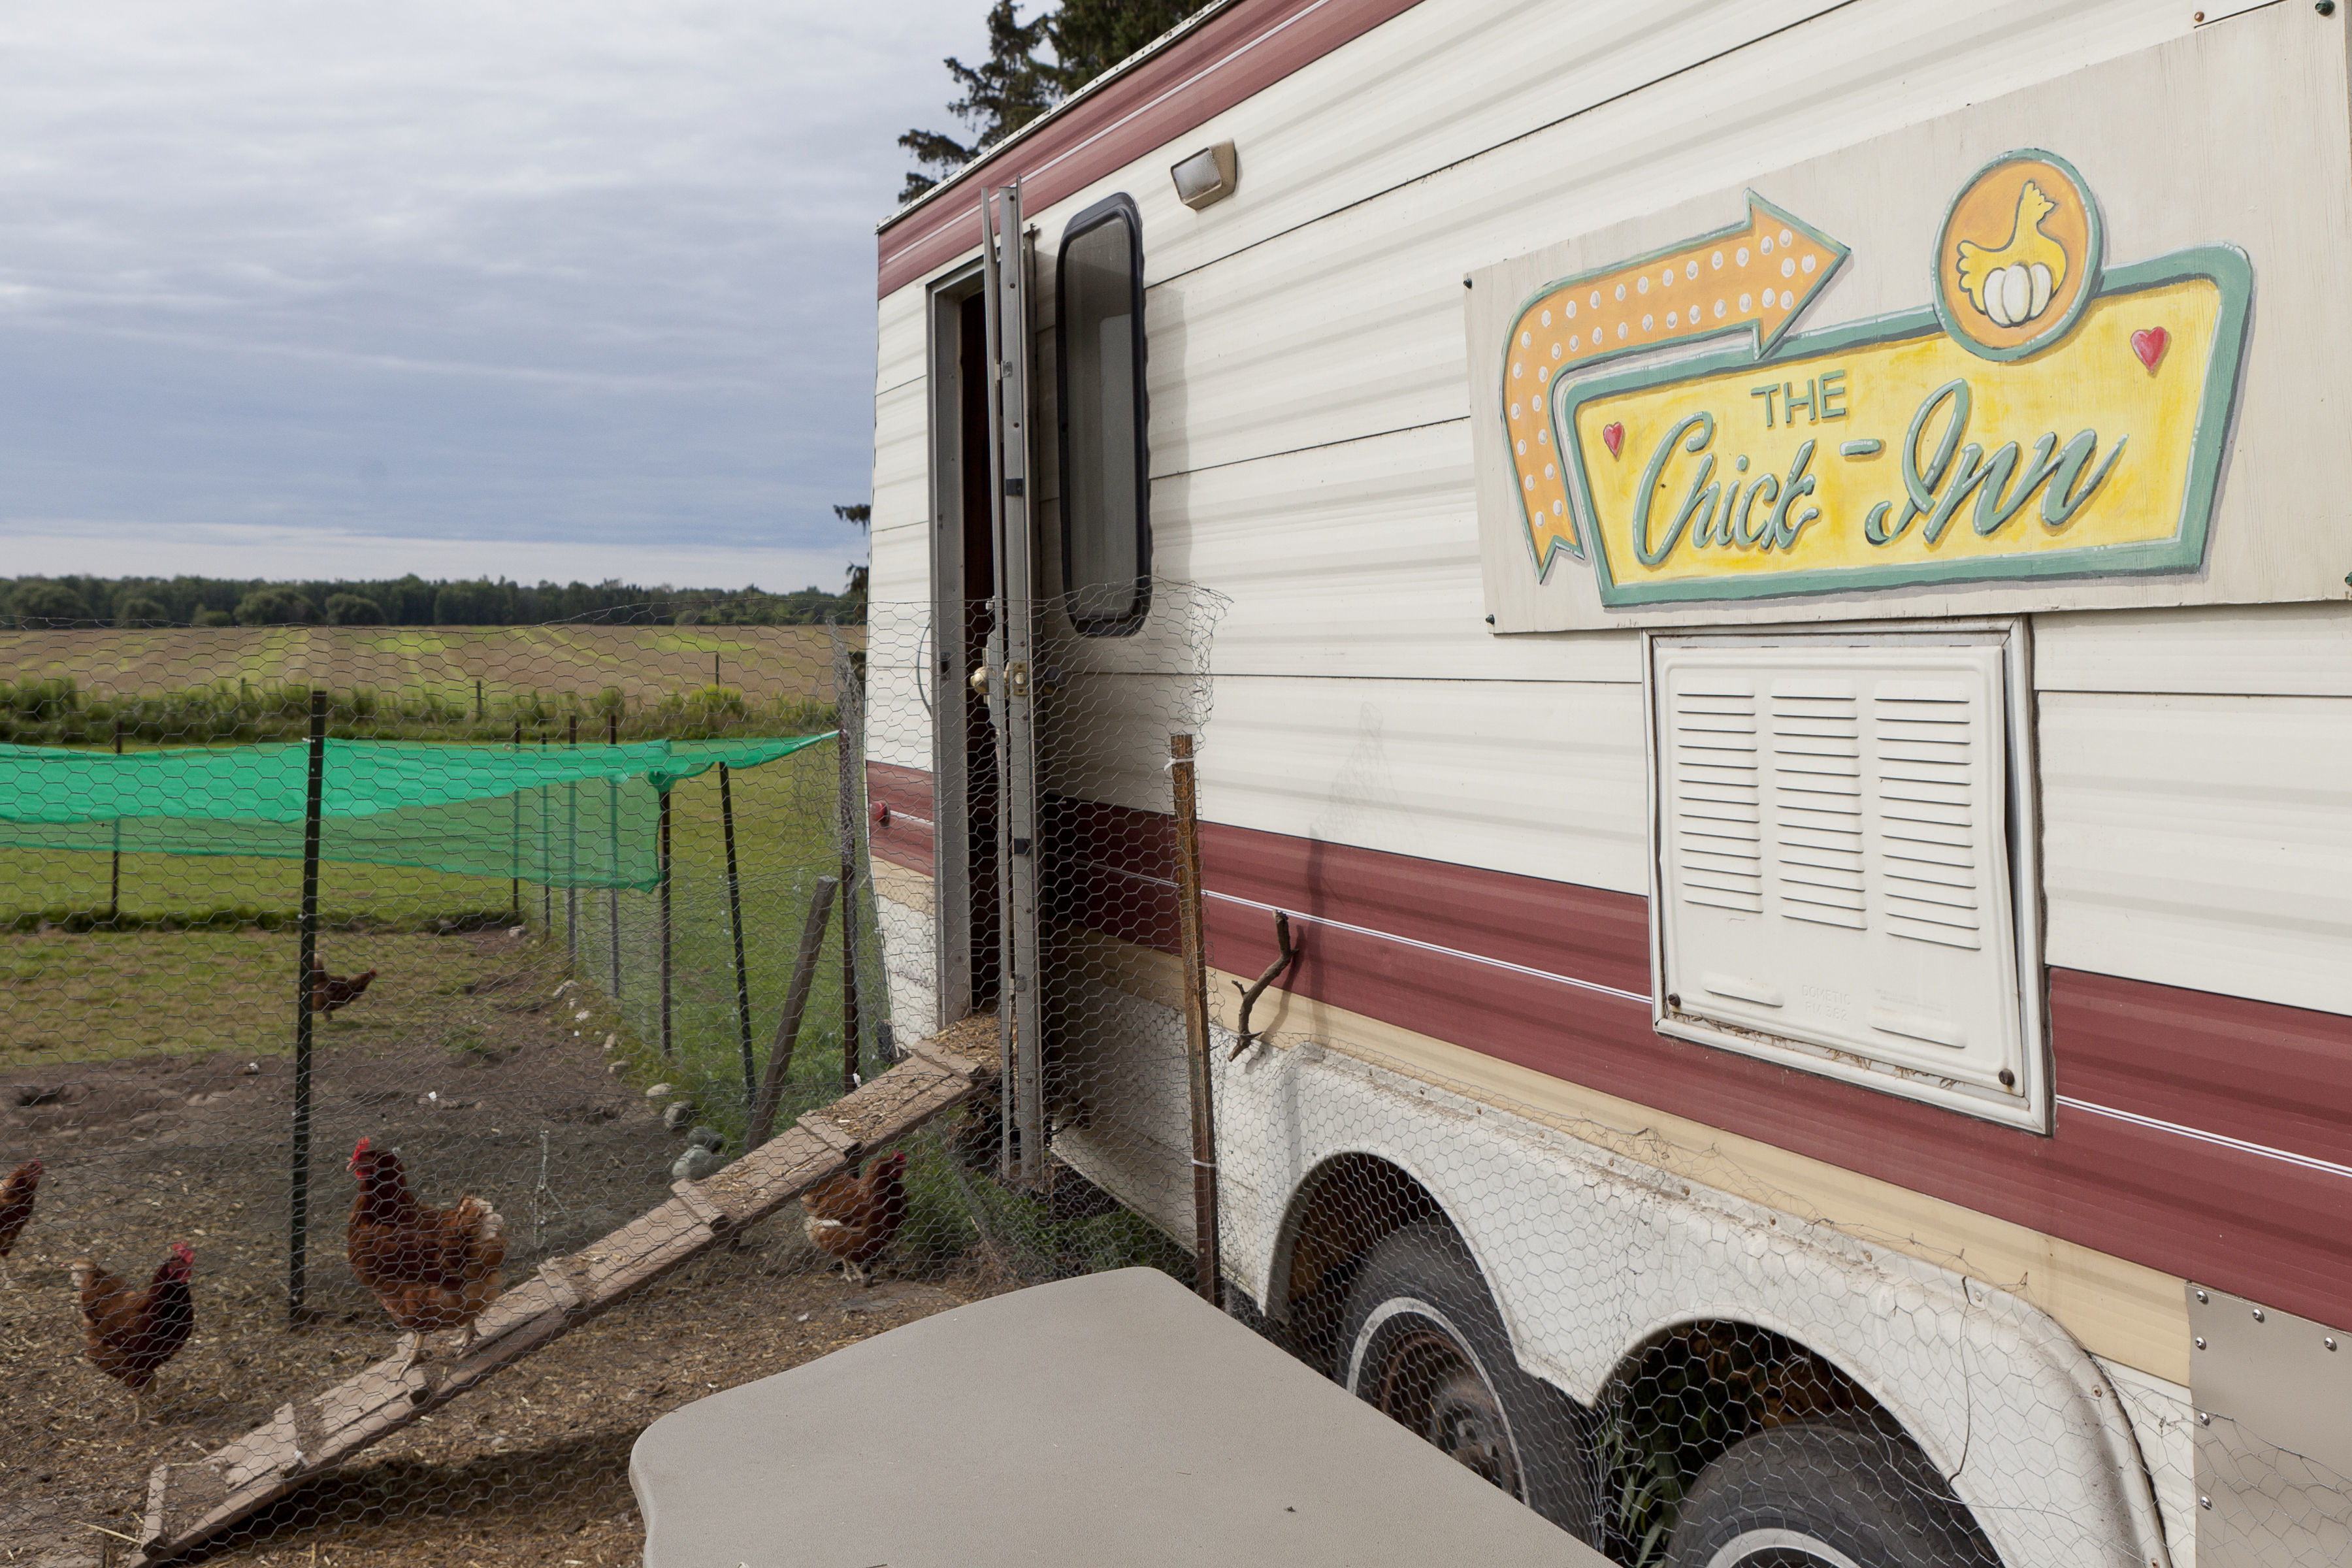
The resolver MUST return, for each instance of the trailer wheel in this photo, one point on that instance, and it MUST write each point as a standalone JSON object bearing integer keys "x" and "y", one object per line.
{"x": 1812, "y": 1495}
{"x": 1420, "y": 1341}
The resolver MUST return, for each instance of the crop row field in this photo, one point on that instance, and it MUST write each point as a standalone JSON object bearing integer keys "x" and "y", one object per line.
{"x": 196, "y": 686}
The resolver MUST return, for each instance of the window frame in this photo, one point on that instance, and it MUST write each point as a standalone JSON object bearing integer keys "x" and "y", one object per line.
{"x": 1115, "y": 208}
{"x": 2034, "y": 1110}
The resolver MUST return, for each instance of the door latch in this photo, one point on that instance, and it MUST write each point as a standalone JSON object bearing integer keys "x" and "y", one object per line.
{"x": 1016, "y": 677}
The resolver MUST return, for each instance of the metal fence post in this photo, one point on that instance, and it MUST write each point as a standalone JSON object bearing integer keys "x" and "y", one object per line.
{"x": 571, "y": 853}
{"x": 850, "y": 1028}
{"x": 735, "y": 923}
{"x": 298, "y": 1206}
{"x": 114, "y": 874}
{"x": 613, "y": 894}
{"x": 667, "y": 1053}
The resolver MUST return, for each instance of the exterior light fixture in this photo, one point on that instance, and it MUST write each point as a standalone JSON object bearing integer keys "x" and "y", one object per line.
{"x": 1208, "y": 176}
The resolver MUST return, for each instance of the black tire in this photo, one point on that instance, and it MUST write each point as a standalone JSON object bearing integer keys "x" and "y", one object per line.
{"x": 1420, "y": 1341}
{"x": 1818, "y": 1495}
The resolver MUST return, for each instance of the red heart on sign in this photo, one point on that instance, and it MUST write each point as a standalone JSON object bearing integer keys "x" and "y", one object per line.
{"x": 1613, "y": 435}
{"x": 2150, "y": 343}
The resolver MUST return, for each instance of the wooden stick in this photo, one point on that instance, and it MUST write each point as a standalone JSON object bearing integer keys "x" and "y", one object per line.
{"x": 1207, "y": 1278}
{"x": 788, "y": 1027}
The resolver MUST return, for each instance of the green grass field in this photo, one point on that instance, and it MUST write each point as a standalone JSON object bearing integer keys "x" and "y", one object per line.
{"x": 204, "y": 958}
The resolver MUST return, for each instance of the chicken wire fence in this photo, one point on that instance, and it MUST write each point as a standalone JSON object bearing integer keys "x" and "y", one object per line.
{"x": 1006, "y": 854}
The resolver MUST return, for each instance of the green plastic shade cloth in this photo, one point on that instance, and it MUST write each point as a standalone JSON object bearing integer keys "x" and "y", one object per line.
{"x": 563, "y": 817}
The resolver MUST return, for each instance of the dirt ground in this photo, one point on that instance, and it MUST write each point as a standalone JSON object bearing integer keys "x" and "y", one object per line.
{"x": 530, "y": 1469}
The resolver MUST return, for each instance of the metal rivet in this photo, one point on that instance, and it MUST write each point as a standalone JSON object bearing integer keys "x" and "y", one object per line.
{"x": 2258, "y": 1315}
{"x": 2324, "y": 7}
{"x": 1674, "y": 999}
{"x": 2202, "y": 1296}
{"x": 2203, "y": 1501}
{"x": 2008, "y": 1079}
{"x": 2329, "y": 1341}
{"x": 2200, "y": 1342}
{"x": 2204, "y": 1418}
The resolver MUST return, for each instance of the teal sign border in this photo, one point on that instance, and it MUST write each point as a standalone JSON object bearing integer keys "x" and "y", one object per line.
{"x": 2225, "y": 265}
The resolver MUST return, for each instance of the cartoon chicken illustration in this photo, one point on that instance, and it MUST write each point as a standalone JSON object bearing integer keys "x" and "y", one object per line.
{"x": 2015, "y": 283}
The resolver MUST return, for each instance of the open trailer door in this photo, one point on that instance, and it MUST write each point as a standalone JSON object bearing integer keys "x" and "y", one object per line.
{"x": 1007, "y": 269}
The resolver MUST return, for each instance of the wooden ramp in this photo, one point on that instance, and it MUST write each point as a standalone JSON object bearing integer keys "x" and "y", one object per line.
{"x": 305, "y": 1439}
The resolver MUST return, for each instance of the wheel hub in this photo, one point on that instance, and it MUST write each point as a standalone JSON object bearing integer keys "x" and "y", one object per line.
{"x": 1428, "y": 1383}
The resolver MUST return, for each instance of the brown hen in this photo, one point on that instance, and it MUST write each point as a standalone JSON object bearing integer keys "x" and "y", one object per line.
{"x": 131, "y": 1333}
{"x": 854, "y": 1217}
{"x": 330, "y": 992}
{"x": 432, "y": 1269}
{"x": 16, "y": 1208}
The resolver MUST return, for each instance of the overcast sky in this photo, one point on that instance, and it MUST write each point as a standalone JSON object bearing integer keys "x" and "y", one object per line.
{"x": 574, "y": 290}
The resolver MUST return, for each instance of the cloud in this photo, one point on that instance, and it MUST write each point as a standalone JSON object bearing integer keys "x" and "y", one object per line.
{"x": 560, "y": 278}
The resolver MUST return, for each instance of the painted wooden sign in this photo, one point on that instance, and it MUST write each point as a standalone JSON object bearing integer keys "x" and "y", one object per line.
{"x": 2042, "y": 417}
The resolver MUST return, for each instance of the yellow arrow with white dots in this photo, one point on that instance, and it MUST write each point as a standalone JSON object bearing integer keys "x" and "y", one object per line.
{"x": 1756, "y": 276}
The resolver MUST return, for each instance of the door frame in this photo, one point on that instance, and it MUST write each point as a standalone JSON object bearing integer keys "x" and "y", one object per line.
{"x": 950, "y": 670}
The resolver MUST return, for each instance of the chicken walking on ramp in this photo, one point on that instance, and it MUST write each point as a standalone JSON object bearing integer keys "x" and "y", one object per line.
{"x": 432, "y": 1269}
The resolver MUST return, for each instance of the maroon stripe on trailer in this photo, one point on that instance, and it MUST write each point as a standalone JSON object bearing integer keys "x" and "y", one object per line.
{"x": 2280, "y": 1078}
{"x": 898, "y": 816}
{"x": 1229, "y": 57}
{"x": 2204, "y": 1135}
{"x": 1556, "y": 926}
{"x": 2137, "y": 1048}
{"x": 1111, "y": 869}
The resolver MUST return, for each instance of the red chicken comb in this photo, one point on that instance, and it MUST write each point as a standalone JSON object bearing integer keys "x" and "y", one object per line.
{"x": 185, "y": 1253}
{"x": 360, "y": 1148}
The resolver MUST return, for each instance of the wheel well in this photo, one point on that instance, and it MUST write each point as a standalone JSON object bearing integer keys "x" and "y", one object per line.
{"x": 1681, "y": 1398}
{"x": 1346, "y": 1207}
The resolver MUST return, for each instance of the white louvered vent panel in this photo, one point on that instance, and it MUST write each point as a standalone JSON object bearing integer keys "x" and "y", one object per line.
{"x": 1927, "y": 734}
{"x": 1718, "y": 838}
{"x": 1833, "y": 859}
{"x": 1817, "y": 802}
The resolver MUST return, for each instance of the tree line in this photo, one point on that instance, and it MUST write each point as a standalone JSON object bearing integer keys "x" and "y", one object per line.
{"x": 411, "y": 601}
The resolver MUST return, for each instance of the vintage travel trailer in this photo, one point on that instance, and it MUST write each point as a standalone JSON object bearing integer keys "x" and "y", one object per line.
{"x": 1763, "y": 586}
